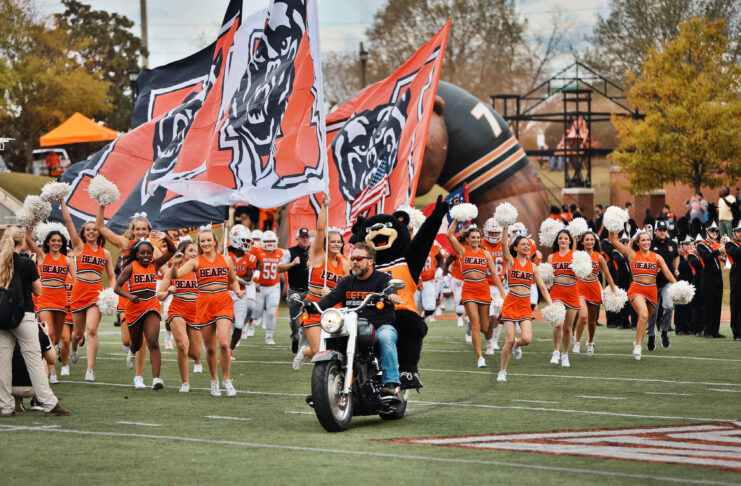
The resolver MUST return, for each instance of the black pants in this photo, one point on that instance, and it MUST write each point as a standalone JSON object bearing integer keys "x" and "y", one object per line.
{"x": 712, "y": 301}
{"x": 735, "y": 301}
{"x": 683, "y": 318}
{"x": 412, "y": 330}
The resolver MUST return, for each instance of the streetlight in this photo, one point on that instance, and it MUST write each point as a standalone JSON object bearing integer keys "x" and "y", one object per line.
{"x": 133, "y": 75}
{"x": 363, "y": 54}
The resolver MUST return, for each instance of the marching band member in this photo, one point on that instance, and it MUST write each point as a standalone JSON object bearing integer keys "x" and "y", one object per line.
{"x": 713, "y": 255}
{"x": 733, "y": 251}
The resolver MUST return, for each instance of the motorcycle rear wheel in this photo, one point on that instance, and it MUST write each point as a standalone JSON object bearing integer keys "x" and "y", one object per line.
{"x": 333, "y": 410}
{"x": 400, "y": 409}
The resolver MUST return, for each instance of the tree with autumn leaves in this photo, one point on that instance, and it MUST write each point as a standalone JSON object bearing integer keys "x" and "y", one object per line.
{"x": 691, "y": 96}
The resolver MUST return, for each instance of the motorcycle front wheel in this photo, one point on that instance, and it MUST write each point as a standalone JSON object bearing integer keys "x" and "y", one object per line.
{"x": 333, "y": 410}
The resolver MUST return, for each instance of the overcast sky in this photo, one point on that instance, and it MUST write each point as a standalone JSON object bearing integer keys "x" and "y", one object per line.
{"x": 178, "y": 28}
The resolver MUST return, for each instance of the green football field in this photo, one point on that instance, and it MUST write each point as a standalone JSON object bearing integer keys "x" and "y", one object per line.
{"x": 268, "y": 435}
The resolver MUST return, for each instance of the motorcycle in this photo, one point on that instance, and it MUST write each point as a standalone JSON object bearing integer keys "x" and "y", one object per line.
{"x": 348, "y": 348}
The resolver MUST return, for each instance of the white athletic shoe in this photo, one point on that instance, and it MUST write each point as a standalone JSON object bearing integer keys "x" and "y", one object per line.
{"x": 250, "y": 331}
{"x": 516, "y": 352}
{"x": 298, "y": 360}
{"x": 130, "y": 359}
{"x": 89, "y": 375}
{"x": 230, "y": 390}
{"x": 590, "y": 349}
{"x": 157, "y": 384}
{"x": 555, "y": 357}
{"x": 438, "y": 311}
{"x": 637, "y": 352}
{"x": 565, "y": 361}
{"x": 74, "y": 356}
{"x": 460, "y": 321}
{"x": 65, "y": 371}
{"x": 576, "y": 347}
{"x": 215, "y": 392}
{"x": 270, "y": 341}
{"x": 231, "y": 355}
{"x": 184, "y": 388}
{"x": 502, "y": 376}
{"x": 53, "y": 380}
{"x": 494, "y": 344}
{"x": 489, "y": 348}
{"x": 139, "y": 382}
{"x": 197, "y": 368}
{"x": 481, "y": 363}
{"x": 469, "y": 340}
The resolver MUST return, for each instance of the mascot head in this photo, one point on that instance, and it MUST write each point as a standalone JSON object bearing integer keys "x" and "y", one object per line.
{"x": 387, "y": 233}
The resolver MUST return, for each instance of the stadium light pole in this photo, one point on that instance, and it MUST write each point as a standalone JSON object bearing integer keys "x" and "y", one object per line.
{"x": 133, "y": 75}
{"x": 363, "y": 54}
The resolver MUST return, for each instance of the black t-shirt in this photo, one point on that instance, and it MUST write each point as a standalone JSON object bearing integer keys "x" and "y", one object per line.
{"x": 669, "y": 251}
{"x": 20, "y": 372}
{"x": 351, "y": 291}
{"x": 298, "y": 276}
{"x": 25, "y": 268}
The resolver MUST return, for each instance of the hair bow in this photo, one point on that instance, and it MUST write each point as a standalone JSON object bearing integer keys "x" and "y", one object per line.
{"x": 185, "y": 238}
{"x": 206, "y": 227}
{"x": 139, "y": 215}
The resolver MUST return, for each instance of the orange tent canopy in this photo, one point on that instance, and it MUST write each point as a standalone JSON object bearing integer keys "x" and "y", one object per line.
{"x": 77, "y": 129}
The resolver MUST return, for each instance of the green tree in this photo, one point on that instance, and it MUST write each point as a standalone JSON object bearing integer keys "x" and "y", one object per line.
{"x": 692, "y": 100}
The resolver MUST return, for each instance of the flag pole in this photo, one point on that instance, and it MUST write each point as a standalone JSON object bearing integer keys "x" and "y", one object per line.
{"x": 326, "y": 242}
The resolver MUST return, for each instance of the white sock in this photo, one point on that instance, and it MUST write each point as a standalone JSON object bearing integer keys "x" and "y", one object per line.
{"x": 125, "y": 349}
{"x": 168, "y": 335}
{"x": 495, "y": 336}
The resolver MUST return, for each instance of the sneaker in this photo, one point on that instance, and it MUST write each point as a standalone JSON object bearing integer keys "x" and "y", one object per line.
{"x": 516, "y": 352}
{"x": 184, "y": 388}
{"x": 89, "y": 375}
{"x": 665, "y": 340}
{"x": 168, "y": 340}
{"x": 53, "y": 379}
{"x": 74, "y": 357}
{"x": 130, "y": 360}
{"x": 57, "y": 411}
{"x": 36, "y": 405}
{"x": 139, "y": 382}
{"x": 65, "y": 371}
{"x": 197, "y": 368}
{"x": 481, "y": 363}
{"x": 590, "y": 349}
{"x": 298, "y": 360}
{"x": 489, "y": 348}
{"x": 438, "y": 311}
{"x": 215, "y": 392}
{"x": 555, "y": 357}
{"x": 469, "y": 339}
{"x": 390, "y": 393}
{"x": 231, "y": 355}
{"x": 250, "y": 331}
{"x": 230, "y": 390}
{"x": 409, "y": 380}
{"x": 637, "y": 352}
{"x": 157, "y": 384}
{"x": 576, "y": 347}
{"x": 269, "y": 341}
{"x": 565, "y": 361}
{"x": 502, "y": 376}
{"x": 494, "y": 345}
{"x": 651, "y": 343}
{"x": 460, "y": 321}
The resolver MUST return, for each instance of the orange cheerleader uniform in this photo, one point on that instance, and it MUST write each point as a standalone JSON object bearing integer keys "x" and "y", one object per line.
{"x": 644, "y": 267}
{"x": 213, "y": 305}
{"x": 591, "y": 290}
{"x": 143, "y": 281}
{"x": 475, "y": 290}
{"x": 567, "y": 294}
{"x": 68, "y": 288}
{"x": 85, "y": 291}
{"x": 184, "y": 299}
{"x": 334, "y": 274}
{"x": 516, "y": 307}
{"x": 53, "y": 277}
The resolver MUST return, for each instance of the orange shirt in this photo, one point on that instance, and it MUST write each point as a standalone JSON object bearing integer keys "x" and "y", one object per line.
{"x": 497, "y": 256}
{"x": 645, "y": 266}
{"x": 428, "y": 271}
{"x": 400, "y": 270}
{"x": 455, "y": 269}
{"x": 186, "y": 288}
{"x": 521, "y": 276}
{"x": 90, "y": 261}
{"x": 334, "y": 273}
{"x": 242, "y": 265}
{"x": 474, "y": 261}
{"x": 53, "y": 271}
{"x": 143, "y": 280}
{"x": 269, "y": 266}
{"x": 562, "y": 264}
{"x": 210, "y": 273}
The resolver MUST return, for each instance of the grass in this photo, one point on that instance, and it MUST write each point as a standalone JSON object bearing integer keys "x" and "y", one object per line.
{"x": 281, "y": 441}
{"x": 19, "y": 185}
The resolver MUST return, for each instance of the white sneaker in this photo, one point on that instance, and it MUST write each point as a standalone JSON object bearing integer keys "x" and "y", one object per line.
{"x": 74, "y": 357}
{"x": 438, "y": 311}
{"x": 139, "y": 382}
{"x": 197, "y": 368}
{"x": 590, "y": 349}
{"x": 637, "y": 352}
{"x": 168, "y": 340}
{"x": 53, "y": 379}
{"x": 502, "y": 376}
{"x": 576, "y": 347}
{"x": 573, "y": 341}
{"x": 494, "y": 344}
{"x": 270, "y": 341}
{"x": 215, "y": 392}
{"x": 65, "y": 371}
{"x": 460, "y": 321}
{"x": 555, "y": 357}
{"x": 89, "y": 375}
{"x": 157, "y": 384}
{"x": 184, "y": 388}
{"x": 250, "y": 331}
{"x": 469, "y": 339}
{"x": 230, "y": 390}
{"x": 298, "y": 360}
{"x": 130, "y": 360}
{"x": 489, "y": 348}
{"x": 565, "y": 361}
{"x": 516, "y": 352}
{"x": 481, "y": 363}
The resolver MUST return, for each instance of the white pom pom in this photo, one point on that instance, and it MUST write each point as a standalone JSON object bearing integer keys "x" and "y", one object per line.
{"x": 614, "y": 302}
{"x": 24, "y": 217}
{"x": 41, "y": 230}
{"x": 496, "y": 305}
{"x": 614, "y": 219}
{"x": 549, "y": 229}
{"x": 581, "y": 264}
{"x": 577, "y": 227}
{"x": 545, "y": 270}
{"x": 506, "y": 214}
{"x": 554, "y": 314}
{"x": 103, "y": 190}
{"x": 464, "y": 212}
{"x": 416, "y": 217}
{"x": 681, "y": 293}
{"x": 34, "y": 210}
{"x": 54, "y": 191}
{"x": 108, "y": 302}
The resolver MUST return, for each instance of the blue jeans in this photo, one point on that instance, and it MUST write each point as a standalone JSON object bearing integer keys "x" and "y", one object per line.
{"x": 387, "y": 336}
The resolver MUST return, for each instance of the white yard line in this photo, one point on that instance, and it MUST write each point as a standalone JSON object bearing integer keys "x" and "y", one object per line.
{"x": 591, "y": 397}
{"x": 100, "y": 383}
{"x": 292, "y": 412}
{"x": 531, "y": 401}
{"x": 219, "y": 417}
{"x": 141, "y": 424}
{"x": 670, "y": 394}
{"x": 723, "y": 390}
{"x": 548, "y": 353}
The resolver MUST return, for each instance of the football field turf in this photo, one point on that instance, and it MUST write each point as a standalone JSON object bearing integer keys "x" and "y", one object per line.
{"x": 268, "y": 435}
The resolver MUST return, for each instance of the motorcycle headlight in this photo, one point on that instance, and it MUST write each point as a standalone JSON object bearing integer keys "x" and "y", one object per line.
{"x": 331, "y": 321}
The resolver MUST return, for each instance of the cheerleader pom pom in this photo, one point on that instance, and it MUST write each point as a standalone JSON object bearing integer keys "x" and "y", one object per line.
{"x": 614, "y": 302}
{"x": 577, "y": 227}
{"x": 545, "y": 270}
{"x": 103, "y": 191}
{"x": 464, "y": 212}
{"x": 681, "y": 293}
{"x": 108, "y": 302}
{"x": 615, "y": 219}
{"x": 506, "y": 214}
{"x": 36, "y": 209}
{"x": 548, "y": 231}
{"x": 41, "y": 230}
{"x": 582, "y": 264}
{"x": 416, "y": 217}
{"x": 497, "y": 305}
{"x": 24, "y": 218}
{"x": 554, "y": 314}
{"x": 54, "y": 191}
